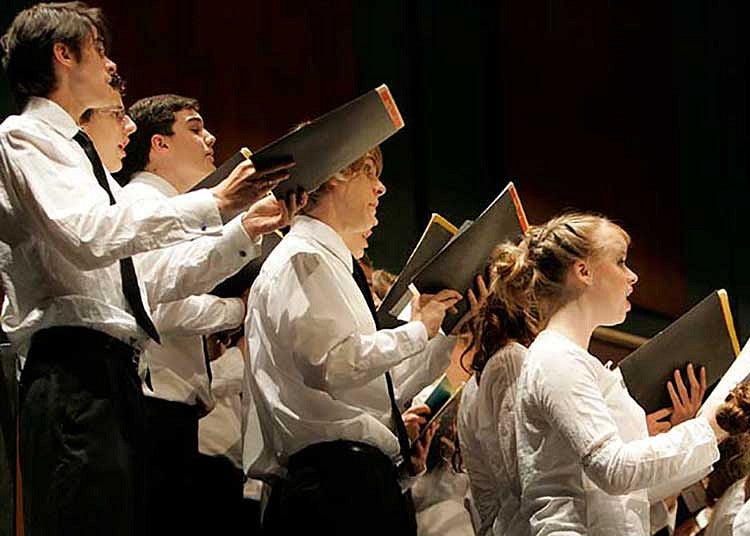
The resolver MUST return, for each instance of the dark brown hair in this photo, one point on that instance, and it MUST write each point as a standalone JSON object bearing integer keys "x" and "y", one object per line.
{"x": 27, "y": 45}
{"x": 152, "y": 115}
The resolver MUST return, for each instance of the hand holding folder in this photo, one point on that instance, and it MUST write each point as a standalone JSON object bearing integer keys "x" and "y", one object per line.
{"x": 245, "y": 184}
{"x": 704, "y": 336}
{"x": 468, "y": 252}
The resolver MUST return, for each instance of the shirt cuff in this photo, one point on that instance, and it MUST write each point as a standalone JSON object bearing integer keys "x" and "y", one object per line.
{"x": 238, "y": 239}
{"x": 441, "y": 348}
{"x": 198, "y": 212}
{"x": 417, "y": 335}
{"x": 235, "y": 313}
{"x": 707, "y": 433}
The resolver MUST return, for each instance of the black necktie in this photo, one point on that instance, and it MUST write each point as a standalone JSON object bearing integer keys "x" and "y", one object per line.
{"x": 206, "y": 360}
{"x": 398, "y": 422}
{"x": 130, "y": 287}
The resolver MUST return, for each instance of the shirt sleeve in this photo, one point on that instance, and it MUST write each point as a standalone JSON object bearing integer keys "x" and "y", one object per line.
{"x": 228, "y": 371}
{"x": 64, "y": 201}
{"x": 196, "y": 267}
{"x": 328, "y": 346}
{"x": 199, "y": 315}
{"x": 412, "y": 375}
{"x": 568, "y": 392}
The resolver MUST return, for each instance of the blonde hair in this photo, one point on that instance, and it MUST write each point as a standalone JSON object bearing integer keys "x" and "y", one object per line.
{"x": 528, "y": 279}
{"x": 347, "y": 174}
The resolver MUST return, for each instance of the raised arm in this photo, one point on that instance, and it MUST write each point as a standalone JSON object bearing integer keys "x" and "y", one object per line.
{"x": 63, "y": 201}
{"x": 324, "y": 317}
{"x": 568, "y": 394}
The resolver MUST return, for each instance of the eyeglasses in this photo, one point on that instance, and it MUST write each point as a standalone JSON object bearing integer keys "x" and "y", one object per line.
{"x": 118, "y": 112}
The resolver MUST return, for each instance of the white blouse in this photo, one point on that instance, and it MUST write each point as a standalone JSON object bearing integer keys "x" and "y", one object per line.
{"x": 496, "y": 400}
{"x": 585, "y": 459}
{"x": 741, "y": 524}
{"x": 481, "y": 479}
{"x": 725, "y": 510}
{"x": 486, "y": 426}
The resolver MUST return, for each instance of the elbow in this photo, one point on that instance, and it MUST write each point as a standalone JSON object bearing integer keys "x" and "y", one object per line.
{"x": 341, "y": 380}
{"x": 610, "y": 485}
{"x": 613, "y": 474}
{"x": 87, "y": 255}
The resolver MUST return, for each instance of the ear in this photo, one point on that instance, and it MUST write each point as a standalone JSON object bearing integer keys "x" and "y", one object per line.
{"x": 63, "y": 54}
{"x": 582, "y": 273}
{"x": 159, "y": 143}
{"x": 334, "y": 183}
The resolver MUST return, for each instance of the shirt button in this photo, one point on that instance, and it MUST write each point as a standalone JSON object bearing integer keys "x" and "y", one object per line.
{"x": 242, "y": 253}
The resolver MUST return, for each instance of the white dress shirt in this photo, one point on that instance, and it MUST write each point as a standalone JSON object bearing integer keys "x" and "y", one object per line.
{"x": 220, "y": 432}
{"x": 725, "y": 510}
{"x": 316, "y": 363}
{"x": 177, "y": 365}
{"x": 583, "y": 469}
{"x": 66, "y": 238}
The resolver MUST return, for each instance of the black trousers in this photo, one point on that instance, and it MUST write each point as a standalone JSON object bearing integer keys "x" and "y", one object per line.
{"x": 81, "y": 435}
{"x": 339, "y": 488}
{"x": 172, "y": 502}
{"x": 221, "y": 485}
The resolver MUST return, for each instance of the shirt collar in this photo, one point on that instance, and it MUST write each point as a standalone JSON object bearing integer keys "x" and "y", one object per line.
{"x": 323, "y": 234}
{"x": 52, "y": 114}
{"x": 155, "y": 181}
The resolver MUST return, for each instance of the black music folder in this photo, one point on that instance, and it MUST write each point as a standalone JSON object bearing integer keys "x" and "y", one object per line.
{"x": 704, "y": 336}
{"x": 326, "y": 145}
{"x": 436, "y": 235}
{"x": 468, "y": 253}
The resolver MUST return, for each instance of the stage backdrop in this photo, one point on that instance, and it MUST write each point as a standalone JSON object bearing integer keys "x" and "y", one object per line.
{"x": 632, "y": 109}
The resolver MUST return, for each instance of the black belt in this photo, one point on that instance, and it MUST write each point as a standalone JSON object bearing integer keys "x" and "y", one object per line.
{"x": 337, "y": 453}
{"x": 67, "y": 340}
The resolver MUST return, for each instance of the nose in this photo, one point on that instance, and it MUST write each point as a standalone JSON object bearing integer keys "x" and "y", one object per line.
{"x": 110, "y": 65}
{"x": 129, "y": 125}
{"x": 632, "y": 277}
{"x": 210, "y": 138}
{"x": 379, "y": 188}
